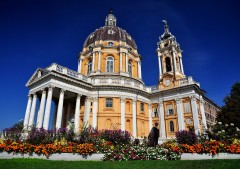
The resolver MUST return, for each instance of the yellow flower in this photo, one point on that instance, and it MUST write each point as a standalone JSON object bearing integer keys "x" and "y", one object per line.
{"x": 236, "y": 141}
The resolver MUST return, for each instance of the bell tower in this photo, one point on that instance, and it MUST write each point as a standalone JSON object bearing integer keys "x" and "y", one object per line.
{"x": 169, "y": 59}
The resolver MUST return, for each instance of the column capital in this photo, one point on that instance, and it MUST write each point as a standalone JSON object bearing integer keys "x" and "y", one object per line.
{"x": 134, "y": 101}
{"x": 78, "y": 94}
{"x": 178, "y": 100}
{"x": 43, "y": 91}
{"x": 34, "y": 95}
{"x": 160, "y": 102}
{"x": 150, "y": 105}
{"x": 95, "y": 99}
{"x": 30, "y": 96}
{"x": 88, "y": 98}
{"x": 193, "y": 98}
{"x": 122, "y": 99}
{"x": 51, "y": 87}
{"x": 62, "y": 91}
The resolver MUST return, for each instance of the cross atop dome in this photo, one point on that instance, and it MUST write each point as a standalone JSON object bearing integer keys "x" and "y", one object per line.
{"x": 110, "y": 10}
{"x": 110, "y": 19}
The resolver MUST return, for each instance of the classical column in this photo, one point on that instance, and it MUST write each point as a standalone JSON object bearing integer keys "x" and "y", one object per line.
{"x": 93, "y": 61}
{"x": 33, "y": 109}
{"x": 139, "y": 70}
{"x": 99, "y": 61}
{"x": 54, "y": 115}
{"x": 77, "y": 113}
{"x": 27, "y": 113}
{"x": 86, "y": 111}
{"x": 80, "y": 65}
{"x": 95, "y": 109}
{"x": 203, "y": 114}
{"x": 181, "y": 65}
{"x": 122, "y": 114}
{"x": 120, "y": 61}
{"x": 174, "y": 60}
{"x": 160, "y": 65}
{"x": 150, "y": 116}
{"x": 60, "y": 109}
{"x": 48, "y": 108}
{"x": 195, "y": 115}
{"x": 41, "y": 110}
{"x": 126, "y": 62}
{"x": 69, "y": 107}
{"x": 180, "y": 114}
{"x": 134, "y": 116}
{"x": 162, "y": 120}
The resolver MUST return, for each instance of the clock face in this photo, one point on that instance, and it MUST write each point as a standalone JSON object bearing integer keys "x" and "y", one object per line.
{"x": 167, "y": 82}
{"x": 189, "y": 121}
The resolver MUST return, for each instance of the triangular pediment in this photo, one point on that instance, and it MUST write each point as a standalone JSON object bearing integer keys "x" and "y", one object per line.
{"x": 36, "y": 75}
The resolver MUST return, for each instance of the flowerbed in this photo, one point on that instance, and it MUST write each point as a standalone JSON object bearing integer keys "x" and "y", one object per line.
{"x": 141, "y": 152}
{"x": 208, "y": 147}
{"x": 48, "y": 149}
{"x": 116, "y": 145}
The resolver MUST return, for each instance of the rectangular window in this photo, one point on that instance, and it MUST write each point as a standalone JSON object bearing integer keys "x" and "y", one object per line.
{"x": 187, "y": 107}
{"x": 170, "y": 110}
{"x": 109, "y": 102}
{"x": 155, "y": 113}
{"x": 142, "y": 106}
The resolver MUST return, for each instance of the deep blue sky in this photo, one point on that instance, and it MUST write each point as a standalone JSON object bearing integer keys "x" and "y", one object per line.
{"x": 37, "y": 33}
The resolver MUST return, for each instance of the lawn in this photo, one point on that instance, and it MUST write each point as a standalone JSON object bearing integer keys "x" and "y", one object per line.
{"x": 46, "y": 164}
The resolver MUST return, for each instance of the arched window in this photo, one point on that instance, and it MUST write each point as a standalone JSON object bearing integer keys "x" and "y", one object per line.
{"x": 171, "y": 126}
{"x": 128, "y": 125}
{"x": 130, "y": 68}
{"x": 110, "y": 64}
{"x": 89, "y": 67}
{"x": 168, "y": 64}
{"x": 110, "y": 43}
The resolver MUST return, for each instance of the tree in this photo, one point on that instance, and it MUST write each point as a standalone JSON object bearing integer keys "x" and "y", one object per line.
{"x": 230, "y": 112}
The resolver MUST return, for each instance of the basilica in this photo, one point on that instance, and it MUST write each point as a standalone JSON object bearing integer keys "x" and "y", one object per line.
{"x": 107, "y": 90}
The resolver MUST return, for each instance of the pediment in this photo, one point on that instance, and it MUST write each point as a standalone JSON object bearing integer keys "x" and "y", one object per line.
{"x": 36, "y": 76}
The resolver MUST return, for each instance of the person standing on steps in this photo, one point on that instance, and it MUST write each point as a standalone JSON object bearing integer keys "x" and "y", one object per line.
{"x": 153, "y": 136}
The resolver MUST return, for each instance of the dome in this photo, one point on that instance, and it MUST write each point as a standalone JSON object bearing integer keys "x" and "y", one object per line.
{"x": 110, "y": 32}
{"x": 113, "y": 33}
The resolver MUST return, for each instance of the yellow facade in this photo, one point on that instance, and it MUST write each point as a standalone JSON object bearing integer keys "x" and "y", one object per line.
{"x": 112, "y": 95}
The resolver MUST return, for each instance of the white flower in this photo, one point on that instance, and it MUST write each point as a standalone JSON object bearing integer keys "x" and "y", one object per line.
{"x": 219, "y": 131}
{"x": 231, "y": 124}
{"x": 237, "y": 129}
{"x": 226, "y": 125}
{"x": 223, "y": 131}
{"x": 219, "y": 122}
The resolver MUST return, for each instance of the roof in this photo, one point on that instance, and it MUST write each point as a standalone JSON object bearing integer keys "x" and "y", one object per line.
{"x": 111, "y": 33}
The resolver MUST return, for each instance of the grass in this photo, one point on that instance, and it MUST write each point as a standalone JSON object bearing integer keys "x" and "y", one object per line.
{"x": 47, "y": 164}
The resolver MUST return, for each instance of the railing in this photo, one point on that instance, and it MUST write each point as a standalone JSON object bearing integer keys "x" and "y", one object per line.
{"x": 187, "y": 81}
{"x": 119, "y": 82}
{"x": 128, "y": 82}
{"x": 153, "y": 88}
{"x": 69, "y": 72}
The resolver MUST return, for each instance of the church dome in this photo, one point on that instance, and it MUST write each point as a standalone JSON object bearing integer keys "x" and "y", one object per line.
{"x": 110, "y": 32}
